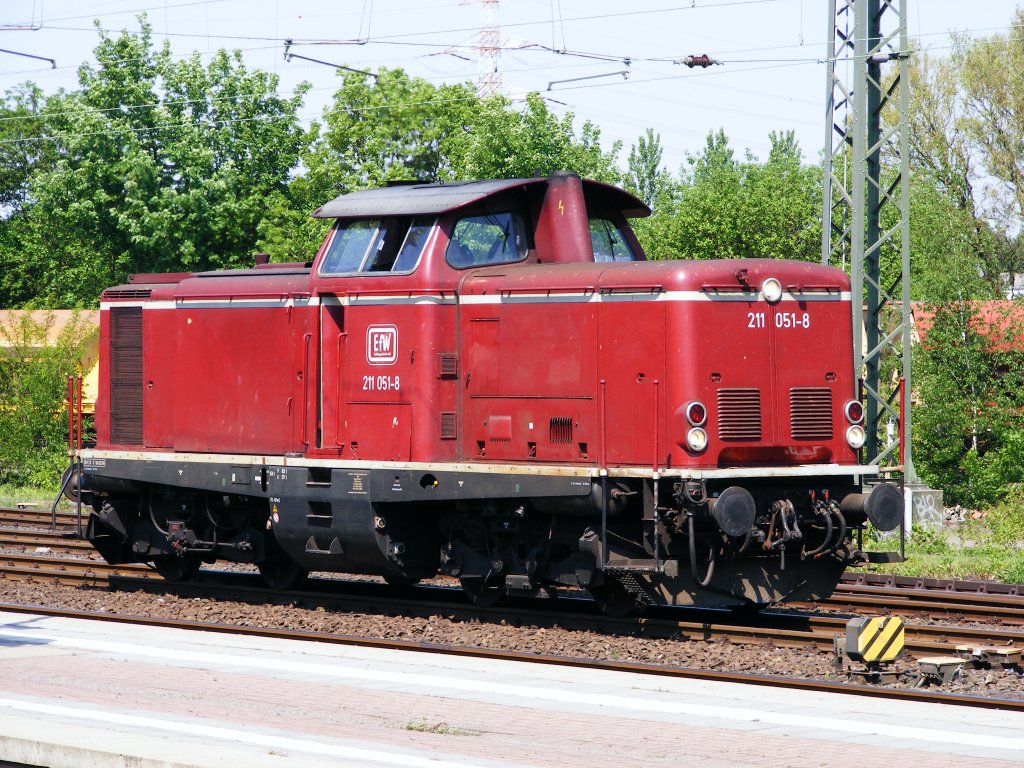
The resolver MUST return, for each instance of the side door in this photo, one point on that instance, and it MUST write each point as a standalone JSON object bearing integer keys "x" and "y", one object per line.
{"x": 330, "y": 394}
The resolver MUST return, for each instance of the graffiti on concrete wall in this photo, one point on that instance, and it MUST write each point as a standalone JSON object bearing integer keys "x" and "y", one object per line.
{"x": 927, "y": 507}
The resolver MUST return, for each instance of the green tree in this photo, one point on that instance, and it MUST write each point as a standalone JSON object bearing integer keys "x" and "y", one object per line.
{"x": 498, "y": 141}
{"x": 395, "y": 127}
{"x": 388, "y": 127}
{"x": 967, "y": 193}
{"x": 706, "y": 222}
{"x": 645, "y": 176}
{"x": 968, "y": 435}
{"x": 381, "y": 128}
{"x": 23, "y": 146}
{"x": 966, "y": 129}
{"x": 33, "y": 390}
{"x": 726, "y": 208}
{"x": 781, "y": 204}
{"x": 991, "y": 77}
{"x": 159, "y": 165}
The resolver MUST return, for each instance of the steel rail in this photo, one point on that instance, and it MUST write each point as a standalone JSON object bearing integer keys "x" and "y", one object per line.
{"x": 979, "y": 607}
{"x": 54, "y": 540}
{"x": 15, "y": 565}
{"x": 36, "y": 518}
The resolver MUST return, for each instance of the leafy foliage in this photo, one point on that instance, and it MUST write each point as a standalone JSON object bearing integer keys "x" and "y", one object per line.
{"x": 645, "y": 177}
{"x": 501, "y": 142}
{"x": 968, "y": 433}
{"x": 33, "y": 390}
{"x": 1006, "y": 519}
{"x": 394, "y": 127}
{"x": 152, "y": 165}
{"x": 726, "y": 208}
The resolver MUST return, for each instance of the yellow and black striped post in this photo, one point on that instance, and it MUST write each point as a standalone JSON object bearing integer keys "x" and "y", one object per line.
{"x": 876, "y": 640}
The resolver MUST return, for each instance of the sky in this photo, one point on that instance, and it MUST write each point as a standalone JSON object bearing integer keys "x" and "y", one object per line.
{"x": 772, "y": 76}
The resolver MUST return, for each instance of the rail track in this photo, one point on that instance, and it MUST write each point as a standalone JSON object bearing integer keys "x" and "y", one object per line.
{"x": 908, "y": 596}
{"x": 940, "y": 599}
{"x": 37, "y": 517}
{"x": 1000, "y": 607}
{"x": 784, "y": 627}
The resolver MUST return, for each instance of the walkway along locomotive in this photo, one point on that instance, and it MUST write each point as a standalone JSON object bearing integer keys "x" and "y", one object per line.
{"x": 489, "y": 379}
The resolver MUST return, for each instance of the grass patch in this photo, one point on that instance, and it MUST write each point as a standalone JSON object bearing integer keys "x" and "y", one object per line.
{"x": 990, "y": 549}
{"x": 441, "y": 728}
{"x": 40, "y": 498}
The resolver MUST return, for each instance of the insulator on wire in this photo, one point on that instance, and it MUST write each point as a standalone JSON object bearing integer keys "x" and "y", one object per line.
{"x": 703, "y": 60}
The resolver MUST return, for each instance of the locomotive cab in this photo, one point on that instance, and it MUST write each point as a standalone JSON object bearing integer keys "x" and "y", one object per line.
{"x": 489, "y": 380}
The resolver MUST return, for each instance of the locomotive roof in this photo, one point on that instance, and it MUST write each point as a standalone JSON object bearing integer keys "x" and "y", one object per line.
{"x": 432, "y": 199}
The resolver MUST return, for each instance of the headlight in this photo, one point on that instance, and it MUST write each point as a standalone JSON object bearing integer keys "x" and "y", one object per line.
{"x": 771, "y": 290}
{"x": 696, "y": 439}
{"x": 855, "y": 436}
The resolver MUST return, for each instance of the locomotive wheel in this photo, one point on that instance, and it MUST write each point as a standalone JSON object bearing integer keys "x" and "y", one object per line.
{"x": 480, "y": 594}
{"x": 282, "y": 572}
{"x": 613, "y": 599}
{"x": 175, "y": 568}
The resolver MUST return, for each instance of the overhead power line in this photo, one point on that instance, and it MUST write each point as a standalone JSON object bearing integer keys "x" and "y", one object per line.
{"x": 53, "y": 64}
{"x": 289, "y": 55}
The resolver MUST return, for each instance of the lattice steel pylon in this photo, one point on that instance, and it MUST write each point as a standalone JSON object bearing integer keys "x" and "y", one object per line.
{"x": 488, "y": 78}
{"x": 866, "y": 75}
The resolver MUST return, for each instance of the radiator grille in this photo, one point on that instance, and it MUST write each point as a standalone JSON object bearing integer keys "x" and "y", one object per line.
{"x": 739, "y": 414}
{"x": 127, "y": 293}
{"x": 810, "y": 413}
{"x": 560, "y": 430}
{"x": 126, "y": 375}
{"x": 449, "y": 429}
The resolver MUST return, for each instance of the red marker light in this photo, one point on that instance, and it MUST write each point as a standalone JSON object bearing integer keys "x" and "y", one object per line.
{"x": 696, "y": 413}
{"x": 854, "y": 411}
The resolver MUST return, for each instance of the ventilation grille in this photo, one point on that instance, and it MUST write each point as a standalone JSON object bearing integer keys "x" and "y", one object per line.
{"x": 739, "y": 414}
{"x": 449, "y": 430}
{"x": 560, "y": 430}
{"x": 127, "y": 293}
{"x": 810, "y": 413}
{"x": 126, "y": 375}
{"x": 447, "y": 365}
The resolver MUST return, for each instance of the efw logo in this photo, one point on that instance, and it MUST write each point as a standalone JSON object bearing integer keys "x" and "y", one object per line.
{"x": 381, "y": 345}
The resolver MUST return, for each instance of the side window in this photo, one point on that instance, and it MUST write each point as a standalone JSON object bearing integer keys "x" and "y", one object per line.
{"x": 608, "y": 242}
{"x": 412, "y": 246}
{"x": 376, "y": 245}
{"x": 350, "y": 241}
{"x": 493, "y": 238}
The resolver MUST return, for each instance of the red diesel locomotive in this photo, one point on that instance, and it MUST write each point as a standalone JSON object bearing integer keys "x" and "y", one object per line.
{"x": 489, "y": 380}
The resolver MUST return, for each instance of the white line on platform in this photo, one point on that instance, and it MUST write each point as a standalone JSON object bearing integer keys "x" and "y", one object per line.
{"x": 509, "y": 693}
{"x": 251, "y": 738}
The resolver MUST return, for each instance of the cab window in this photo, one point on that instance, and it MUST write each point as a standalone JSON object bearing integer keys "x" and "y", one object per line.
{"x": 392, "y": 244}
{"x": 493, "y": 238}
{"x": 608, "y": 242}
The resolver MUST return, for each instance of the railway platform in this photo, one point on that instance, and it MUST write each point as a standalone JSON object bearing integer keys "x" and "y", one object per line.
{"x": 87, "y": 693}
